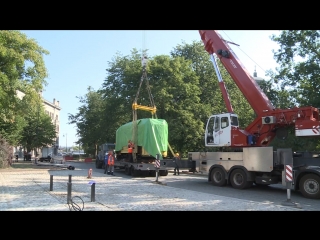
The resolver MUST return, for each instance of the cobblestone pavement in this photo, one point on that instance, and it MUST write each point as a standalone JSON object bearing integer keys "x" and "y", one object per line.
{"x": 29, "y": 190}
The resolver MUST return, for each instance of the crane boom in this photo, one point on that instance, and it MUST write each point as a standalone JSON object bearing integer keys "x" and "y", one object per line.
{"x": 269, "y": 121}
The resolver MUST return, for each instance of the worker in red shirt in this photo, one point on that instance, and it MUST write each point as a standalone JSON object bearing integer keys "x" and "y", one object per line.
{"x": 130, "y": 150}
{"x": 110, "y": 162}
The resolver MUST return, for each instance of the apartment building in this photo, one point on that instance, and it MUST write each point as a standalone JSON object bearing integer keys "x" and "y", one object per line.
{"x": 53, "y": 110}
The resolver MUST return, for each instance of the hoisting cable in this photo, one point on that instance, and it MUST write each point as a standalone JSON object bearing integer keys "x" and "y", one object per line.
{"x": 242, "y": 51}
{"x": 135, "y": 105}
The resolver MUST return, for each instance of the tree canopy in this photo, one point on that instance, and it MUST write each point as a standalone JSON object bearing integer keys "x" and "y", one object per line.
{"x": 297, "y": 78}
{"x": 186, "y": 91}
{"x": 22, "y": 70}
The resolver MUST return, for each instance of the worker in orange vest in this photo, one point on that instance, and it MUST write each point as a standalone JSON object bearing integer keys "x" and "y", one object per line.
{"x": 110, "y": 162}
{"x": 130, "y": 150}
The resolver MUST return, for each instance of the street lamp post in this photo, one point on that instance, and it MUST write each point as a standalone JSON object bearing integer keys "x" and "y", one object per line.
{"x": 37, "y": 130}
{"x": 66, "y": 142}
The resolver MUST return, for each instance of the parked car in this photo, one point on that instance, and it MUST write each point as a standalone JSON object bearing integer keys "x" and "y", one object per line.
{"x": 45, "y": 159}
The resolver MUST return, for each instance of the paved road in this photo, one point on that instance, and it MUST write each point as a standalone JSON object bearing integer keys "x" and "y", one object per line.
{"x": 29, "y": 190}
{"x": 276, "y": 194}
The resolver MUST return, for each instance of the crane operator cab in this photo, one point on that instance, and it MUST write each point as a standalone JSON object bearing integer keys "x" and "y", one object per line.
{"x": 218, "y": 129}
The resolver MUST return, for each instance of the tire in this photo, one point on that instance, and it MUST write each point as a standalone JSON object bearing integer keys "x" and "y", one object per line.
{"x": 144, "y": 173}
{"x": 309, "y": 186}
{"x": 261, "y": 185}
{"x": 134, "y": 172}
{"x": 127, "y": 170}
{"x": 163, "y": 172}
{"x": 238, "y": 179}
{"x": 218, "y": 177}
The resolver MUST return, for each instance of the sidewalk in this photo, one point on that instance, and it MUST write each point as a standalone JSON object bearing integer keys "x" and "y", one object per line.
{"x": 29, "y": 190}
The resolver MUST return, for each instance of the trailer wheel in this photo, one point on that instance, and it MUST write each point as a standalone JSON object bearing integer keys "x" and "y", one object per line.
{"x": 218, "y": 177}
{"x": 238, "y": 179}
{"x": 309, "y": 186}
{"x": 134, "y": 172}
{"x": 127, "y": 170}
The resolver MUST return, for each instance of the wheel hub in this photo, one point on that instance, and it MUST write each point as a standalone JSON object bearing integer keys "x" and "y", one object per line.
{"x": 217, "y": 177}
{"x": 238, "y": 179}
{"x": 311, "y": 186}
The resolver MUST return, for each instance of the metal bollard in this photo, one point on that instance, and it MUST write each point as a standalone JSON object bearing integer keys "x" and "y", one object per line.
{"x": 70, "y": 178}
{"x": 69, "y": 193}
{"x": 93, "y": 192}
{"x": 289, "y": 184}
{"x": 51, "y": 182}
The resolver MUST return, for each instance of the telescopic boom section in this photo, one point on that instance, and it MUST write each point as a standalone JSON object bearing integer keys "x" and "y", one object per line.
{"x": 222, "y": 86}
{"x": 214, "y": 43}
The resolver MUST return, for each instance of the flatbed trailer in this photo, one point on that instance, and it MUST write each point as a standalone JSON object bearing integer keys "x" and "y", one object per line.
{"x": 144, "y": 168}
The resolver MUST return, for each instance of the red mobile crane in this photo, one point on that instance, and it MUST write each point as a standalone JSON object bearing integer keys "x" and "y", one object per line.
{"x": 252, "y": 160}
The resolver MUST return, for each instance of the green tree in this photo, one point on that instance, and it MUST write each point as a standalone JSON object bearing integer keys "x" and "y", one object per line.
{"x": 175, "y": 87}
{"x": 299, "y": 59}
{"x": 38, "y": 131}
{"x": 298, "y": 78}
{"x": 211, "y": 98}
{"x": 89, "y": 121}
{"x": 21, "y": 68}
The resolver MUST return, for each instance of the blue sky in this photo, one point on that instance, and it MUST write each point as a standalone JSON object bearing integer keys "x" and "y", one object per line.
{"x": 79, "y": 58}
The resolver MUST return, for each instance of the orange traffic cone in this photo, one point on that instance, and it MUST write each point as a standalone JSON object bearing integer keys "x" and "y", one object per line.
{"x": 89, "y": 173}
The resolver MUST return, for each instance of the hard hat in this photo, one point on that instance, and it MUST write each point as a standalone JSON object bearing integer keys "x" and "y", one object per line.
{"x": 106, "y": 153}
{"x": 177, "y": 154}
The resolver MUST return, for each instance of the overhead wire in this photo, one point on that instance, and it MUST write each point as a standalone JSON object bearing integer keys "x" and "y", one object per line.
{"x": 244, "y": 52}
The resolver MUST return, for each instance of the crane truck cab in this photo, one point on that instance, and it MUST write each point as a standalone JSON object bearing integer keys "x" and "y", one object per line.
{"x": 218, "y": 129}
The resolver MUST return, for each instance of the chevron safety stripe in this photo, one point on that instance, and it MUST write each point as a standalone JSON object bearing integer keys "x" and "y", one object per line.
{"x": 315, "y": 129}
{"x": 157, "y": 163}
{"x": 288, "y": 173}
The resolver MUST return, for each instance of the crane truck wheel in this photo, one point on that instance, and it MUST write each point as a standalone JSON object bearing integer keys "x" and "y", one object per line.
{"x": 309, "y": 186}
{"x": 238, "y": 179}
{"x": 218, "y": 177}
{"x": 163, "y": 172}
